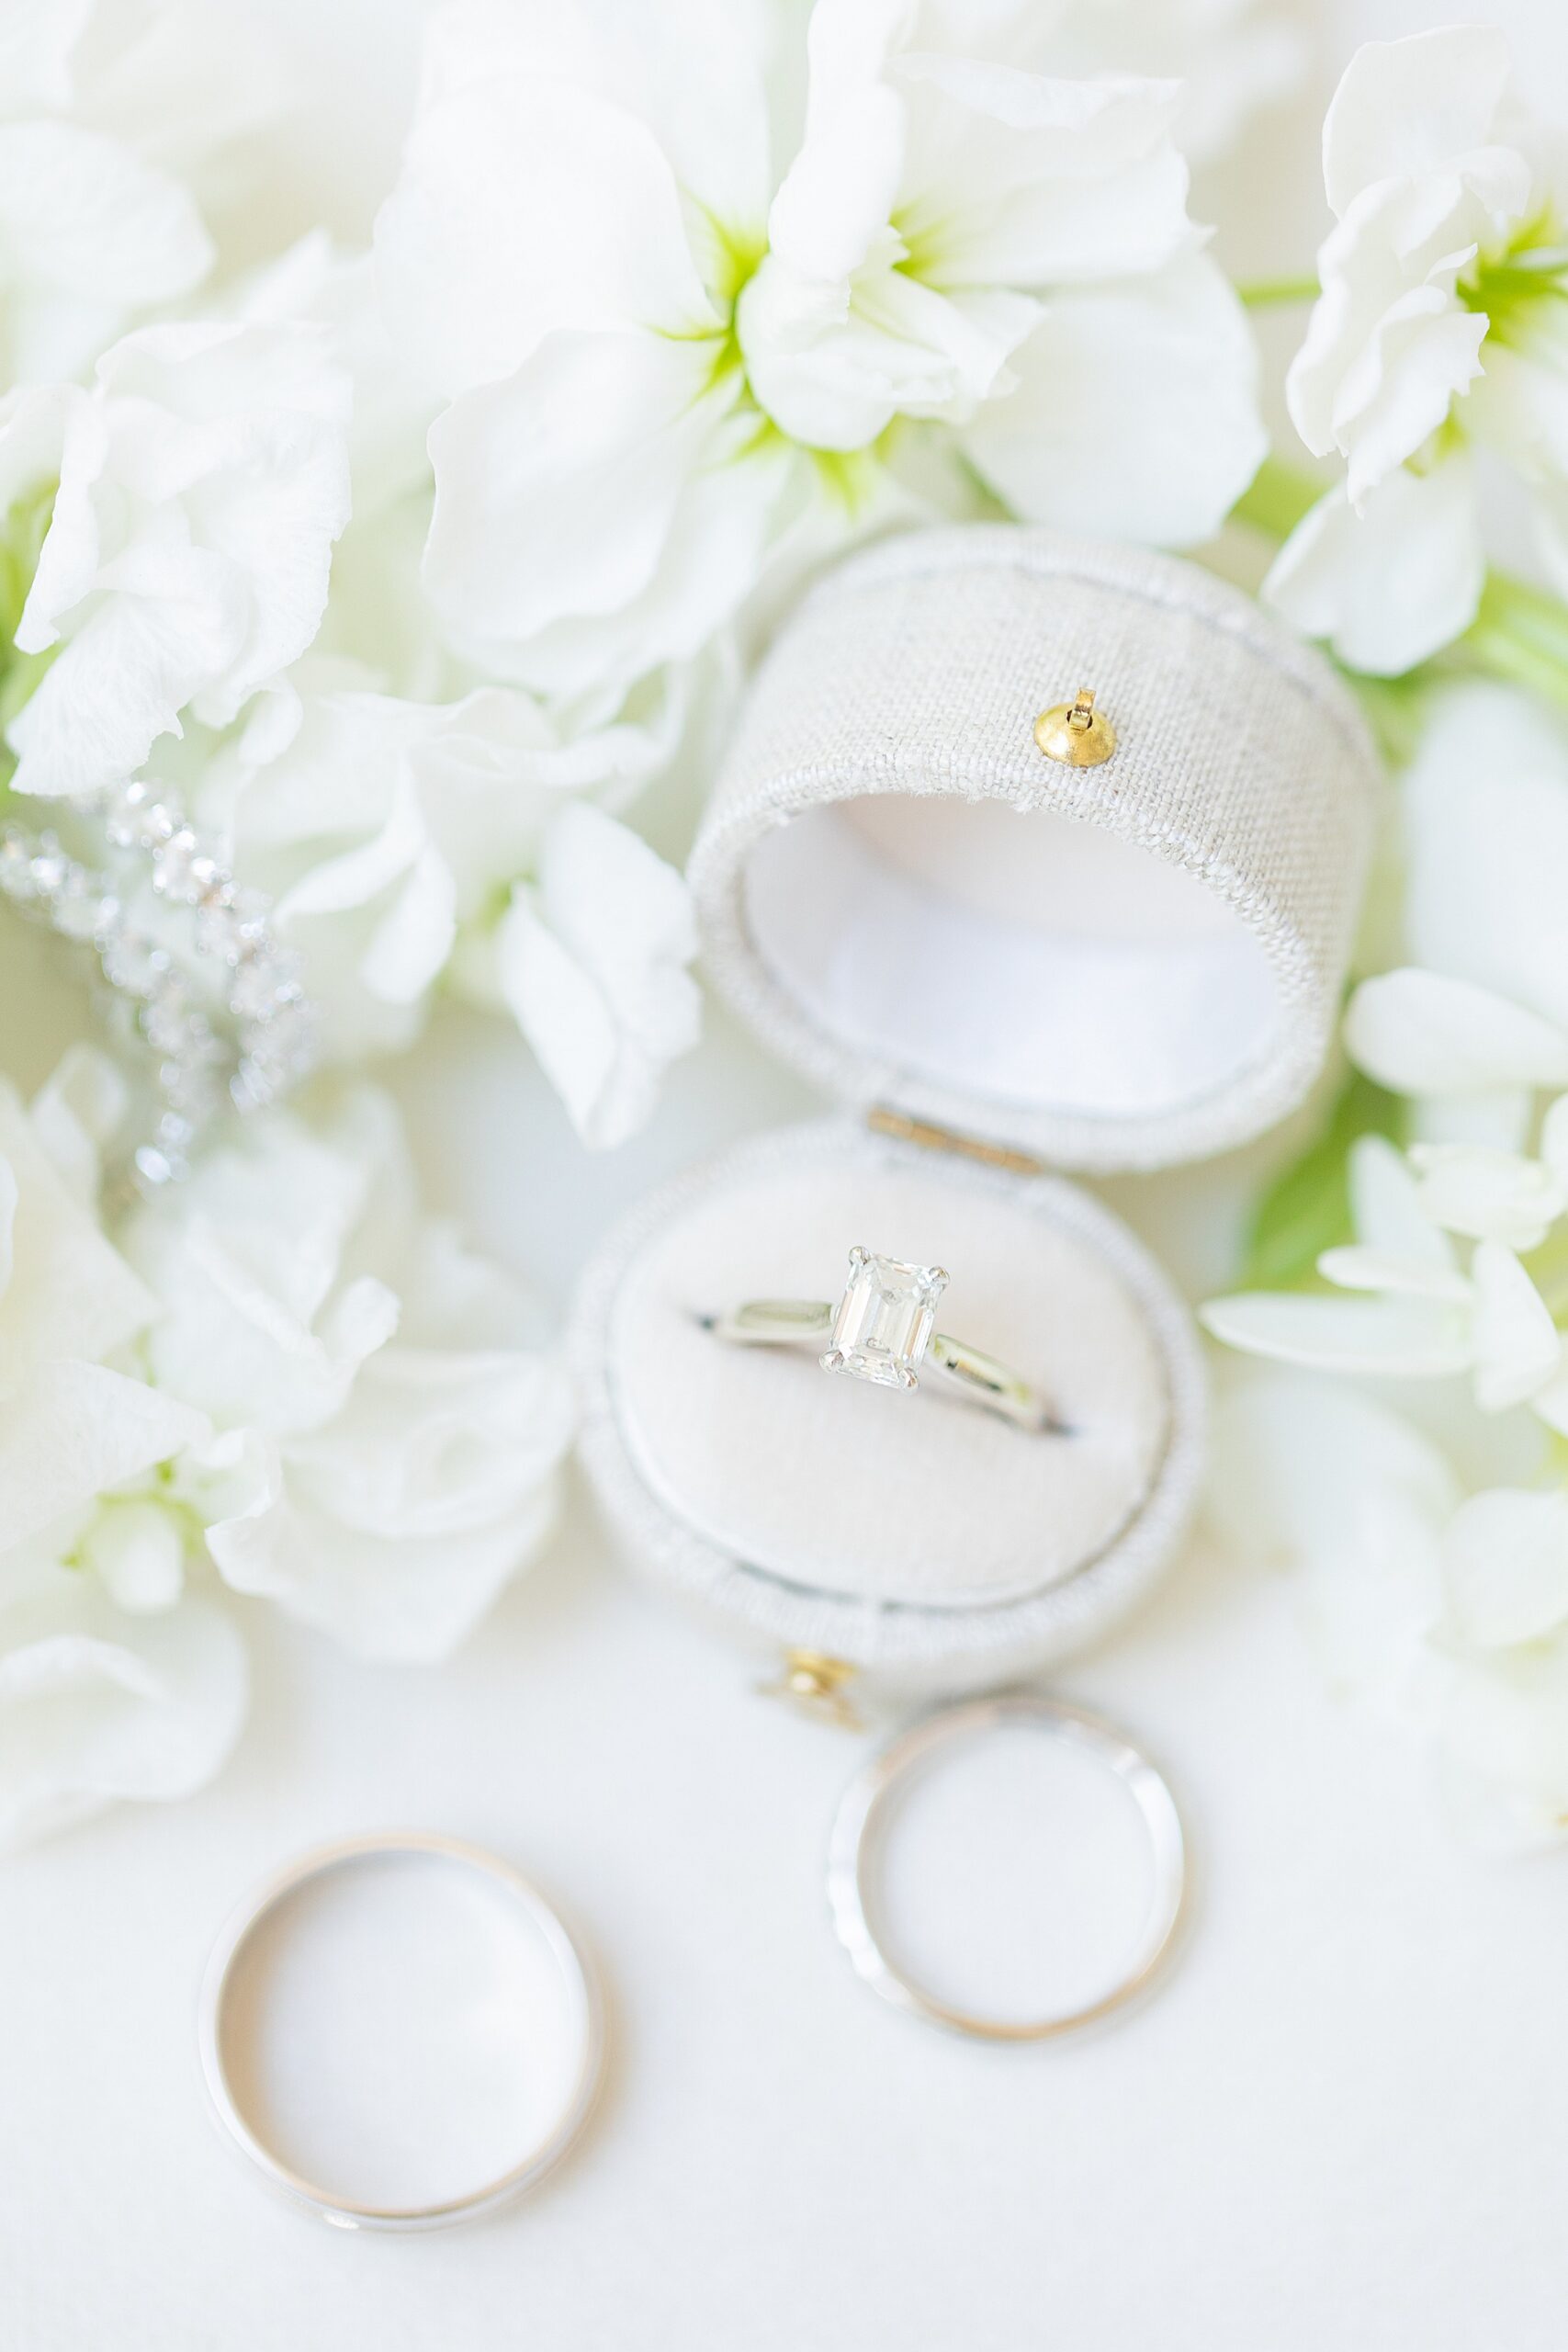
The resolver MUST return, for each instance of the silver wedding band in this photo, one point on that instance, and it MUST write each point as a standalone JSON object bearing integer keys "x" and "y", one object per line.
{"x": 863, "y": 1813}
{"x": 247, "y": 2129}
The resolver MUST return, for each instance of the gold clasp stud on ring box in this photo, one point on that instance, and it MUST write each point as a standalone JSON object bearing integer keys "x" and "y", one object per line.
{"x": 1075, "y": 732}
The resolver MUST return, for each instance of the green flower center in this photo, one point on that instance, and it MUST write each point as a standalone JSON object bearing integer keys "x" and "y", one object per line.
{"x": 1521, "y": 289}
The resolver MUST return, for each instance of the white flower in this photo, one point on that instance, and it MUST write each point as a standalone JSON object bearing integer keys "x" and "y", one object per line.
{"x": 963, "y": 238}
{"x": 562, "y": 248}
{"x": 200, "y": 485}
{"x": 100, "y": 1705}
{"x": 638, "y": 350}
{"x": 393, "y": 835}
{"x": 1415, "y": 1314}
{"x": 1476, "y": 1021}
{"x": 1440, "y": 323}
{"x": 113, "y": 1683}
{"x": 380, "y": 1470}
{"x": 1445, "y": 1614}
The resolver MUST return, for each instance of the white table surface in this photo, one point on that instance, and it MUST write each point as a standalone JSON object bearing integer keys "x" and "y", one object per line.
{"x": 1338, "y": 2122}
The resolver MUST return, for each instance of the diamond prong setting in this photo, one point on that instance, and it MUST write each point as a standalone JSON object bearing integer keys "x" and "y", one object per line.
{"x": 883, "y": 1326}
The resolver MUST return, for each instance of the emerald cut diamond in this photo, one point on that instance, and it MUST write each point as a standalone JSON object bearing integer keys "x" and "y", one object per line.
{"x": 885, "y": 1319}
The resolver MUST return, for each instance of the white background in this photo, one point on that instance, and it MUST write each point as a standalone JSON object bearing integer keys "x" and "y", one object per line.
{"x": 1340, "y": 2122}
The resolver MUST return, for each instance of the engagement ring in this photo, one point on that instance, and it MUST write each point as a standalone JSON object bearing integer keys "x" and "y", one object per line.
{"x": 884, "y": 1329}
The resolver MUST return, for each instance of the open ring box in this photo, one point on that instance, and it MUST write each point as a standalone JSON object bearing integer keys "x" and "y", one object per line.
{"x": 1001, "y": 964}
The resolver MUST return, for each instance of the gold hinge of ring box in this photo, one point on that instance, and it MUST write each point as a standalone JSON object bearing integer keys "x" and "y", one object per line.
{"x": 813, "y": 1682}
{"x": 931, "y": 1137}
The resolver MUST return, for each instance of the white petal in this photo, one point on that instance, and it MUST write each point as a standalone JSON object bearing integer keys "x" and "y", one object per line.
{"x": 1409, "y": 106}
{"x": 527, "y": 205}
{"x": 1296, "y": 1457}
{"x": 1136, "y": 412}
{"x": 266, "y": 1317}
{"x": 1485, "y": 836}
{"x": 79, "y": 1110}
{"x": 839, "y": 195}
{"x": 97, "y": 232}
{"x": 1021, "y": 179}
{"x": 76, "y": 1428}
{"x": 1554, "y": 1141}
{"x": 1394, "y": 583}
{"x": 395, "y": 1526}
{"x": 1390, "y": 346}
{"x": 1409, "y": 1339}
{"x": 1386, "y": 1210}
{"x": 1355, "y": 1268}
{"x": 97, "y": 1706}
{"x": 135, "y": 662}
{"x": 1506, "y": 1557}
{"x": 35, "y": 46}
{"x": 592, "y": 966}
{"x": 1358, "y": 1498}
{"x": 1491, "y": 1195}
{"x": 138, "y": 1548}
{"x": 68, "y": 1292}
{"x": 599, "y": 514}
{"x": 693, "y": 71}
{"x": 1517, "y": 1347}
{"x": 1421, "y": 1033}
{"x": 187, "y": 554}
{"x": 833, "y": 365}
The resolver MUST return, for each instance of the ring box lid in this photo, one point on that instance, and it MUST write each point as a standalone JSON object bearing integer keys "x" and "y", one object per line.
{"x": 1112, "y": 966}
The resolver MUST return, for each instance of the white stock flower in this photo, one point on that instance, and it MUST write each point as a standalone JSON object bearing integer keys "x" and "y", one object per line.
{"x": 1439, "y": 324}
{"x": 578, "y": 196}
{"x": 965, "y": 238}
{"x": 114, "y": 1683}
{"x": 197, "y": 491}
{"x": 1414, "y": 1312}
{"x": 654, "y": 376}
{"x": 1476, "y": 1021}
{"x": 384, "y": 1454}
{"x": 394, "y": 836}
{"x": 1443, "y": 1613}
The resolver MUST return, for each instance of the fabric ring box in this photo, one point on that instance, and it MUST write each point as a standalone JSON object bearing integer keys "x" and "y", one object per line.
{"x": 1000, "y": 965}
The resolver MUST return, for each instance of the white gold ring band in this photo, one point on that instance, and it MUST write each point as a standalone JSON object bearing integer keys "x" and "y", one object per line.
{"x": 883, "y": 1329}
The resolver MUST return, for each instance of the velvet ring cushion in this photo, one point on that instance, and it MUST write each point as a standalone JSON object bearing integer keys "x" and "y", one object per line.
{"x": 1115, "y": 966}
{"x": 923, "y": 1536}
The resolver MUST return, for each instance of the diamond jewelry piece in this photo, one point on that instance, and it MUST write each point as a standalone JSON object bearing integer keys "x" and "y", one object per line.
{"x": 884, "y": 1331}
{"x": 273, "y": 1042}
{"x": 885, "y": 1319}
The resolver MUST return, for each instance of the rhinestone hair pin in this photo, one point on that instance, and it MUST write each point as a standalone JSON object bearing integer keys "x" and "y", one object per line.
{"x": 247, "y": 1038}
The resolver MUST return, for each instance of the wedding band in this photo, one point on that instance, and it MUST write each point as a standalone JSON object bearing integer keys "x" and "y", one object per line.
{"x": 243, "y": 2110}
{"x": 884, "y": 1329}
{"x": 864, "y": 1814}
